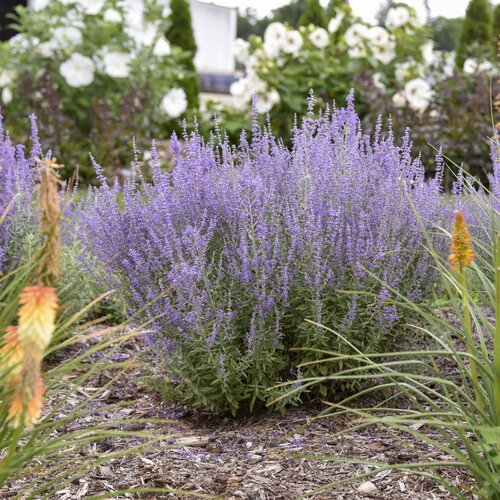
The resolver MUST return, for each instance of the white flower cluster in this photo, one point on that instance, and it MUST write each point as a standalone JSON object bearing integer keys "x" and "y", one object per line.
{"x": 373, "y": 47}
{"x": 417, "y": 94}
{"x": 281, "y": 44}
{"x": 363, "y": 40}
{"x": 82, "y": 61}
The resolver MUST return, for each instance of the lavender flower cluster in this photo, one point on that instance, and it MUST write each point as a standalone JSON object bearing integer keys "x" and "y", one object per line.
{"x": 228, "y": 253}
{"x": 17, "y": 184}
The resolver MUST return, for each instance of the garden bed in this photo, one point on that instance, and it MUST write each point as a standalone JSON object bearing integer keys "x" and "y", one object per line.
{"x": 248, "y": 458}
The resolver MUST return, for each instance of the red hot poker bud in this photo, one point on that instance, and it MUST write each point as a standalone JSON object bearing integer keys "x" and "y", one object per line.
{"x": 461, "y": 254}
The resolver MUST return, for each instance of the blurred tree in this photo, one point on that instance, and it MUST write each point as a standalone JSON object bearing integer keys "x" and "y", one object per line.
{"x": 7, "y": 8}
{"x": 446, "y": 32}
{"x": 181, "y": 34}
{"x": 496, "y": 25}
{"x": 248, "y": 24}
{"x": 313, "y": 14}
{"x": 290, "y": 13}
{"x": 476, "y": 36}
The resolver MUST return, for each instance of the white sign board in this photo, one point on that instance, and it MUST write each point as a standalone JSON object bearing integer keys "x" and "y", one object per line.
{"x": 215, "y": 31}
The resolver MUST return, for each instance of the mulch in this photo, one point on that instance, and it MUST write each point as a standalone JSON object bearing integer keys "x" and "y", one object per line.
{"x": 257, "y": 457}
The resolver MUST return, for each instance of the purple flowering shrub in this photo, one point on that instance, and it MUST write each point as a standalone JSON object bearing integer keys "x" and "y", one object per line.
{"x": 17, "y": 185}
{"x": 229, "y": 253}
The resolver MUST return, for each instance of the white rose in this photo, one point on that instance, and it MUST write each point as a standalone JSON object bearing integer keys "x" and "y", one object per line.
{"x": 112, "y": 16}
{"x": 47, "y": 49}
{"x": 275, "y": 34}
{"x": 320, "y": 38}
{"x": 78, "y": 70}
{"x": 6, "y": 77}
{"x": 357, "y": 52}
{"x": 428, "y": 55}
{"x": 134, "y": 12}
{"x": 399, "y": 100}
{"x": 143, "y": 34}
{"x": 255, "y": 84}
{"x": 241, "y": 50}
{"x": 402, "y": 71}
{"x": 74, "y": 18}
{"x": 384, "y": 53}
{"x": 241, "y": 93}
{"x": 377, "y": 81}
{"x": 355, "y": 34}
{"x": 397, "y": 17}
{"x": 266, "y": 102}
{"x": 335, "y": 22}
{"x": 485, "y": 66}
{"x": 66, "y": 36}
{"x": 470, "y": 66}
{"x": 239, "y": 87}
{"x": 116, "y": 64}
{"x": 6, "y": 95}
{"x": 378, "y": 35}
{"x": 174, "y": 102}
{"x": 449, "y": 65}
{"x": 92, "y": 7}
{"x": 293, "y": 42}
{"x": 162, "y": 48}
{"x": 19, "y": 42}
{"x": 272, "y": 48}
{"x": 418, "y": 93}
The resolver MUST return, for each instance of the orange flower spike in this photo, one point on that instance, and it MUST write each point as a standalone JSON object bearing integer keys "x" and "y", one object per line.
{"x": 461, "y": 254}
{"x": 11, "y": 353}
{"x": 37, "y": 315}
{"x": 25, "y": 407}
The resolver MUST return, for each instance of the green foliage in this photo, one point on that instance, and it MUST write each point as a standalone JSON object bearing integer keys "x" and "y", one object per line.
{"x": 64, "y": 454}
{"x": 290, "y": 13}
{"x": 313, "y": 14}
{"x": 329, "y": 70}
{"x": 476, "y": 36}
{"x": 447, "y": 121}
{"x": 248, "y": 24}
{"x": 180, "y": 33}
{"x": 102, "y": 110}
{"x": 446, "y": 32}
{"x": 335, "y": 6}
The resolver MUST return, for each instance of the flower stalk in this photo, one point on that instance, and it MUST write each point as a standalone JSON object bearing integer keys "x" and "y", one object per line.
{"x": 496, "y": 352}
{"x": 49, "y": 270}
{"x": 461, "y": 257}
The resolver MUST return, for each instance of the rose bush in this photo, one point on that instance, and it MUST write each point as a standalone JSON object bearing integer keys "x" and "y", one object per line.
{"x": 394, "y": 69}
{"x": 281, "y": 67}
{"x": 97, "y": 73}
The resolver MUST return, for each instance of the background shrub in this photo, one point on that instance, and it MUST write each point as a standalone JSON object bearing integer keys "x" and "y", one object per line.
{"x": 180, "y": 33}
{"x": 97, "y": 75}
{"x": 313, "y": 14}
{"x": 393, "y": 66}
{"x": 230, "y": 252}
{"x": 476, "y": 37}
{"x": 447, "y": 121}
